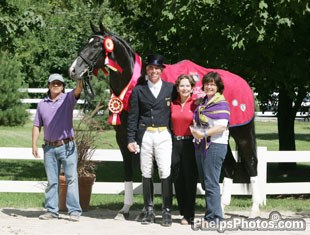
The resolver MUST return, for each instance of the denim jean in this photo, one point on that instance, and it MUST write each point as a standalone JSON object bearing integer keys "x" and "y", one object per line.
{"x": 209, "y": 163}
{"x": 54, "y": 157}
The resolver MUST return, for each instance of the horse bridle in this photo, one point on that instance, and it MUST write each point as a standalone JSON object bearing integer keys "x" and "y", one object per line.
{"x": 91, "y": 64}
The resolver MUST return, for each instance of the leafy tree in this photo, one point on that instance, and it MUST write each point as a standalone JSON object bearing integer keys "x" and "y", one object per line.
{"x": 13, "y": 112}
{"x": 15, "y": 23}
{"x": 45, "y": 37}
{"x": 262, "y": 41}
{"x": 7, "y": 24}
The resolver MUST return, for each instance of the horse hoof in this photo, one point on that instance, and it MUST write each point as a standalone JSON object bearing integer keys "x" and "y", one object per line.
{"x": 122, "y": 216}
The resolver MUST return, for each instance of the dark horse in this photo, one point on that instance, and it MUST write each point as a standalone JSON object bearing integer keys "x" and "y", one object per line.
{"x": 108, "y": 51}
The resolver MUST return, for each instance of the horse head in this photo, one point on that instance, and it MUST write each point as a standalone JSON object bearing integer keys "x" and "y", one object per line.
{"x": 108, "y": 52}
{"x": 117, "y": 59}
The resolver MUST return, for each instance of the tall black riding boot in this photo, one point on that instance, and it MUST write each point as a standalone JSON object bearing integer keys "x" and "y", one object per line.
{"x": 143, "y": 212}
{"x": 166, "y": 191}
{"x": 149, "y": 216}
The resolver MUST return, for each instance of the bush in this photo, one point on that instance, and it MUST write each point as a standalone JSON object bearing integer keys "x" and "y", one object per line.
{"x": 85, "y": 139}
{"x": 13, "y": 112}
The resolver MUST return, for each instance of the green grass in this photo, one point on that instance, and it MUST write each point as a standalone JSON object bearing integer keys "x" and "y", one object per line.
{"x": 266, "y": 135}
{"x": 297, "y": 203}
{"x": 22, "y": 137}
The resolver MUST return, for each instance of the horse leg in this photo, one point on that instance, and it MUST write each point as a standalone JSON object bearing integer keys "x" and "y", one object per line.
{"x": 128, "y": 161}
{"x": 246, "y": 146}
{"x": 228, "y": 168}
{"x": 128, "y": 187}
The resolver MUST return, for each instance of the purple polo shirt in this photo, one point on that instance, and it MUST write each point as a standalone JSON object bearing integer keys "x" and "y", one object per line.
{"x": 56, "y": 117}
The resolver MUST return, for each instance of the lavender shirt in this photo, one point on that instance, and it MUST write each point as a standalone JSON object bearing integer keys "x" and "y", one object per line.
{"x": 56, "y": 117}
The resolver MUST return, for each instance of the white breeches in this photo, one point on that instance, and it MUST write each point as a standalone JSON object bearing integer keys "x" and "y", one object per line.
{"x": 158, "y": 145}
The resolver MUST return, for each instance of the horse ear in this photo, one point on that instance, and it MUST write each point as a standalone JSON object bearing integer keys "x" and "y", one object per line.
{"x": 102, "y": 28}
{"x": 93, "y": 27}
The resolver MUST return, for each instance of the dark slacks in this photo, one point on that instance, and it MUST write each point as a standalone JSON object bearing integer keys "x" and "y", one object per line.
{"x": 184, "y": 175}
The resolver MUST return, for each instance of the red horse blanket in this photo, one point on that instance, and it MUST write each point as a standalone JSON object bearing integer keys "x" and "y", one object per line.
{"x": 236, "y": 90}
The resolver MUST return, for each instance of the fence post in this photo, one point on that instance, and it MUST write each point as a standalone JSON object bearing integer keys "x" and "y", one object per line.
{"x": 262, "y": 156}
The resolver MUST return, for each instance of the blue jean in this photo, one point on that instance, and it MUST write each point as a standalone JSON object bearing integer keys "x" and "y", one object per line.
{"x": 54, "y": 157}
{"x": 209, "y": 163}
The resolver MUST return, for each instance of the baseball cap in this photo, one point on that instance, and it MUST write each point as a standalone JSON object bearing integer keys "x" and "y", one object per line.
{"x": 54, "y": 77}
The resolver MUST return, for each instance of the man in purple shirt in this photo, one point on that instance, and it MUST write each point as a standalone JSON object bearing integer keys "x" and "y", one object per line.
{"x": 55, "y": 114}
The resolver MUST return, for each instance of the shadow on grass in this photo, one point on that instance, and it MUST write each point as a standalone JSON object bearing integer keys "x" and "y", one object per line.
{"x": 300, "y": 173}
{"x": 22, "y": 170}
{"x": 274, "y": 136}
{"x": 276, "y": 173}
{"x": 113, "y": 172}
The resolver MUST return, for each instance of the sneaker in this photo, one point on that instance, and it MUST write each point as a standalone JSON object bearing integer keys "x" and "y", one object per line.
{"x": 74, "y": 217}
{"x": 48, "y": 216}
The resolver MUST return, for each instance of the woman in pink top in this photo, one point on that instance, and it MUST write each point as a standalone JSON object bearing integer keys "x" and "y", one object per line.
{"x": 183, "y": 166}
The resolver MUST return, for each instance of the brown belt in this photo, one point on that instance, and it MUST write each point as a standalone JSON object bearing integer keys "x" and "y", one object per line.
{"x": 59, "y": 142}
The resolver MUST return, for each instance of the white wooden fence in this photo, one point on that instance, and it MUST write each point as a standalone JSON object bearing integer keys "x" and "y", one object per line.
{"x": 264, "y": 157}
{"x": 76, "y": 113}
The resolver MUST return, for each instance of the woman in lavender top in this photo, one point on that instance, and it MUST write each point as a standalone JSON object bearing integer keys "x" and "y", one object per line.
{"x": 211, "y": 133}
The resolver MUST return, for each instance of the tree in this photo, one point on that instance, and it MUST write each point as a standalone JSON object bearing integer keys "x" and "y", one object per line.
{"x": 13, "y": 112}
{"x": 263, "y": 41}
{"x": 45, "y": 36}
{"x": 14, "y": 23}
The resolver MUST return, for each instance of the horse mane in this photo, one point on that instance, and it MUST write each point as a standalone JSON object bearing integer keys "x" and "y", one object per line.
{"x": 124, "y": 42}
{"x": 129, "y": 48}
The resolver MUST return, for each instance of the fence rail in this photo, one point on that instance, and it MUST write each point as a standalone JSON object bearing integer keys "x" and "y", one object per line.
{"x": 264, "y": 157}
{"x": 76, "y": 113}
